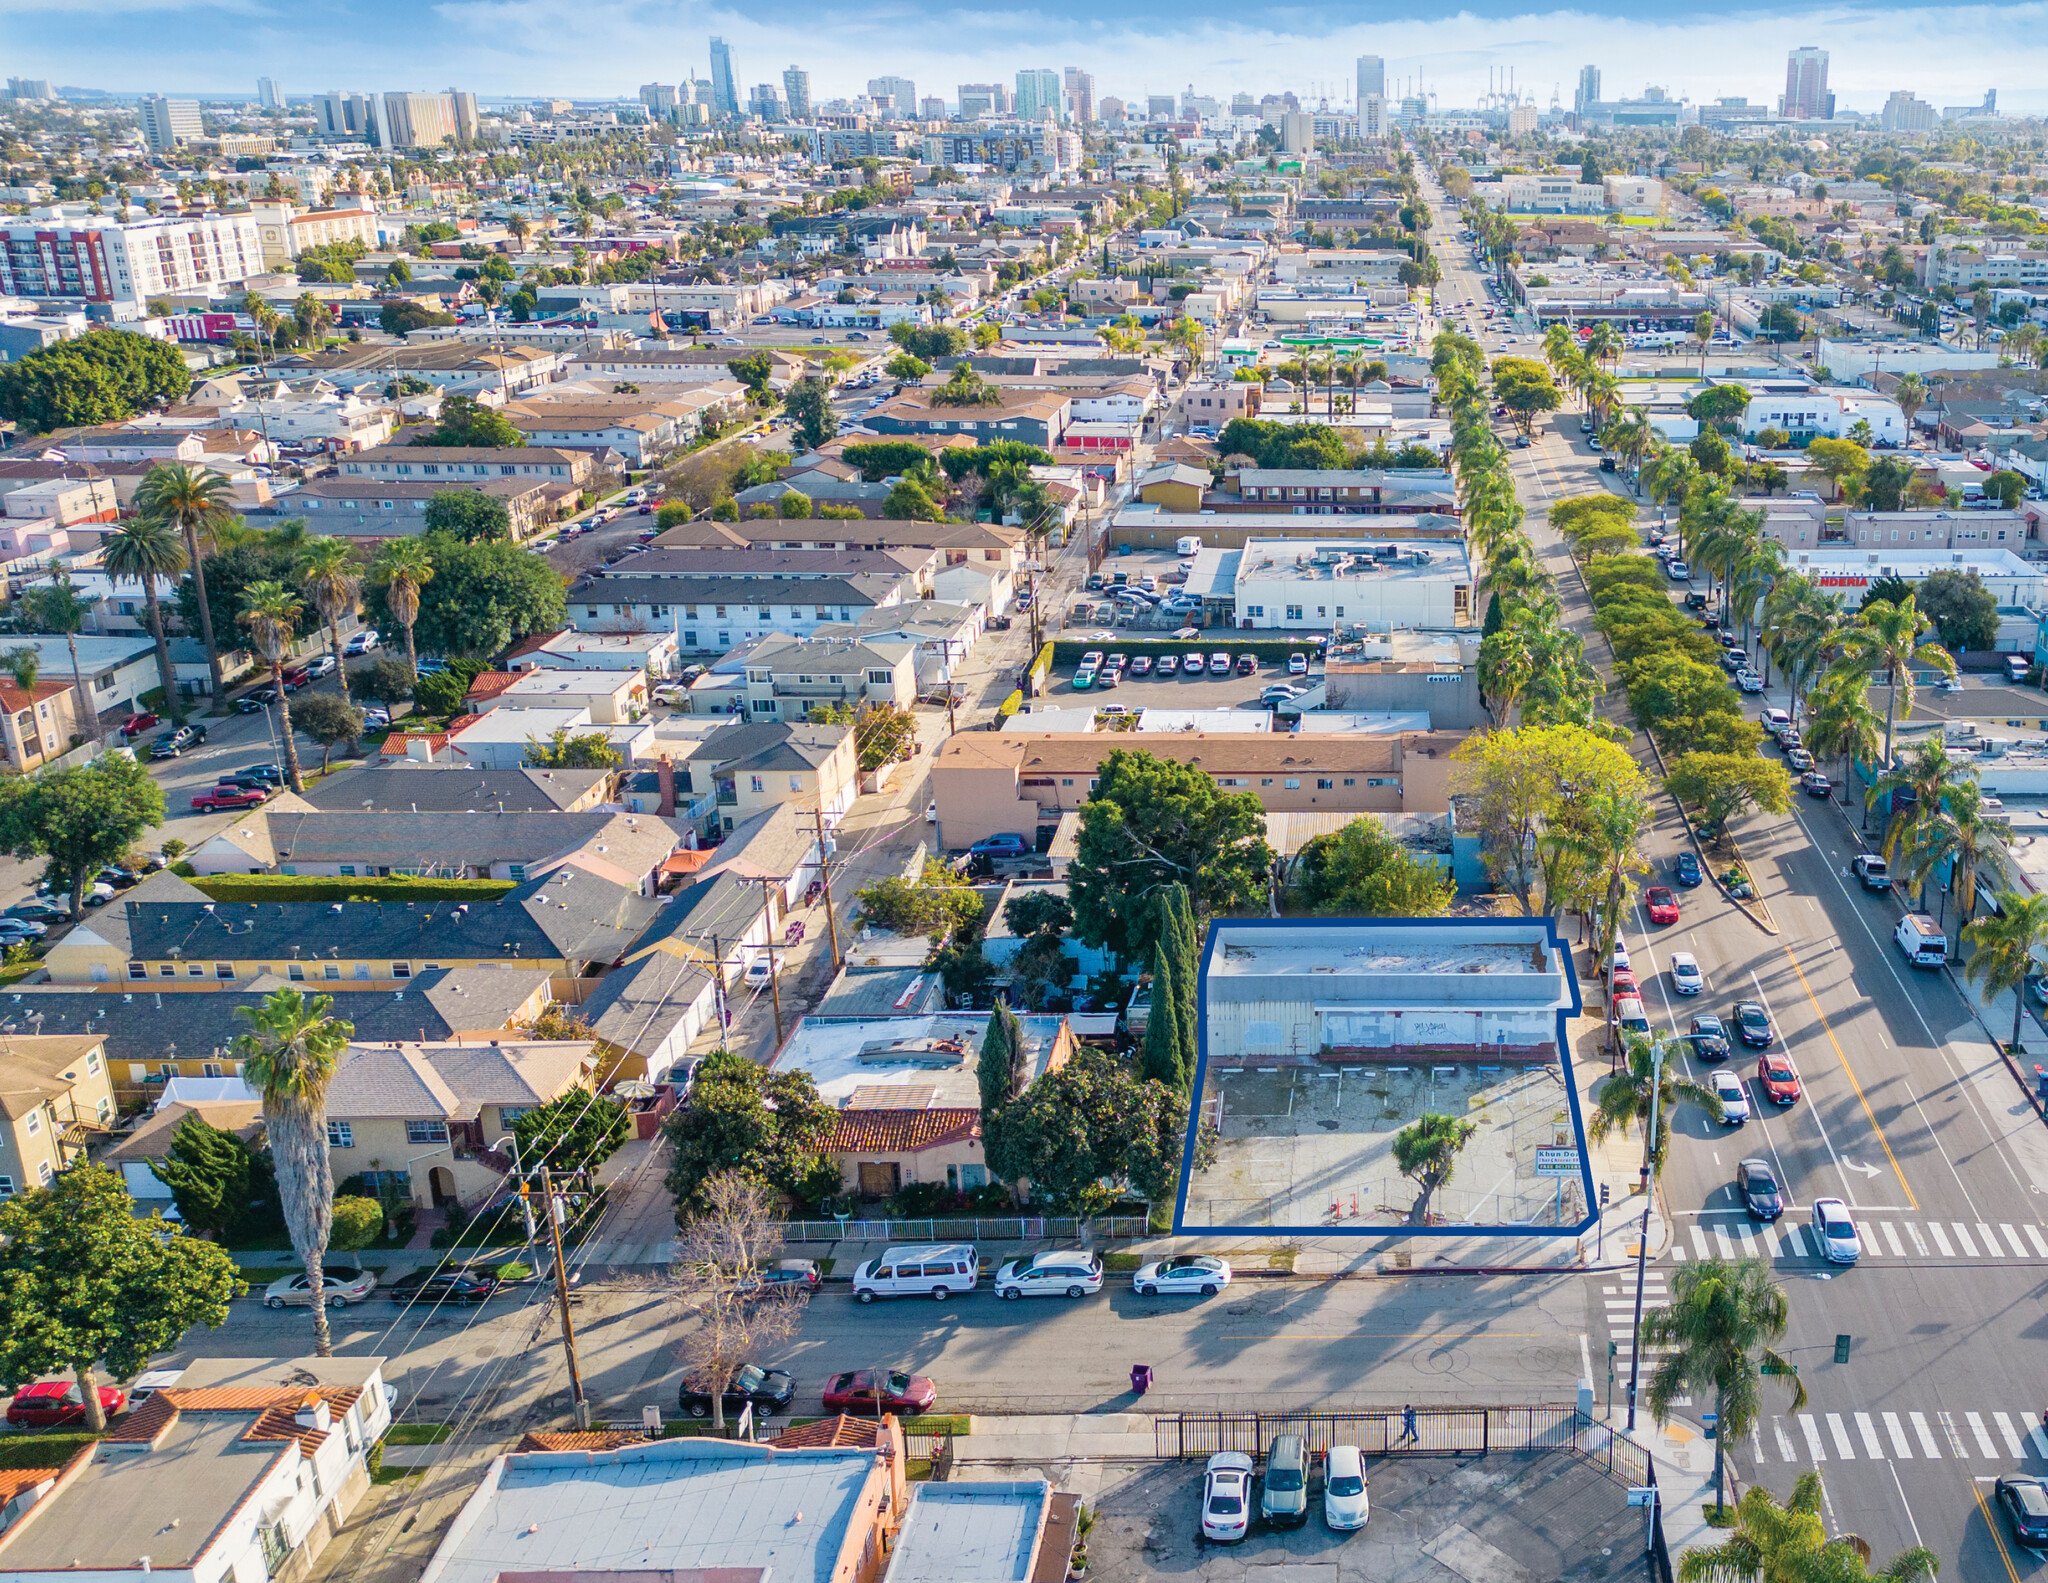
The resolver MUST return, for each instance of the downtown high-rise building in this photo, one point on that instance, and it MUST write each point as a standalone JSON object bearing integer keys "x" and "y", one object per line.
{"x": 166, "y": 123}
{"x": 29, "y": 90}
{"x": 1588, "y": 93}
{"x": 796, "y": 89}
{"x": 983, "y": 98}
{"x": 931, "y": 108}
{"x": 901, "y": 91}
{"x": 1806, "y": 86}
{"x": 1078, "y": 87}
{"x": 725, "y": 83}
{"x": 1372, "y": 77}
{"x": 1038, "y": 92}
{"x": 268, "y": 94}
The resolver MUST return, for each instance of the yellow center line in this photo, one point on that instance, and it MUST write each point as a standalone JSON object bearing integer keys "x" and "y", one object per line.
{"x": 1850, "y": 1071}
{"x": 1991, "y": 1527}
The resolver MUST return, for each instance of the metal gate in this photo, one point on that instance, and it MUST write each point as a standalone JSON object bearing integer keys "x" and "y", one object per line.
{"x": 1379, "y": 1431}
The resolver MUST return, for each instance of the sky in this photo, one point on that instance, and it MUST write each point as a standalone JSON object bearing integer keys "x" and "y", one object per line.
{"x": 1949, "y": 54}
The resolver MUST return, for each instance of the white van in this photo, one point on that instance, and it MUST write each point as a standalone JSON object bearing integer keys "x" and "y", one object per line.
{"x": 2017, "y": 666}
{"x": 936, "y": 1270}
{"x": 1187, "y": 545}
{"x": 1920, "y": 937}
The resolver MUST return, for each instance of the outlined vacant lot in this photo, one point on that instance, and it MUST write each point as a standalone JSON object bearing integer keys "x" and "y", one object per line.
{"x": 1322, "y": 1041}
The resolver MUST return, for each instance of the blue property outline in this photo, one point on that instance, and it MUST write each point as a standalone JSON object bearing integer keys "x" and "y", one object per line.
{"x": 1398, "y": 1228}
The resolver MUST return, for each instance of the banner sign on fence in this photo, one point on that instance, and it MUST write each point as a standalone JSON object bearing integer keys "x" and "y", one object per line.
{"x": 1557, "y": 1159}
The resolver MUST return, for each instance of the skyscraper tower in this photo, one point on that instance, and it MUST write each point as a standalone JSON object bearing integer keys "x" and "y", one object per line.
{"x": 1589, "y": 89}
{"x": 725, "y": 89}
{"x": 796, "y": 88}
{"x": 1372, "y": 77}
{"x": 1806, "y": 86}
{"x": 1079, "y": 87}
{"x": 1037, "y": 92}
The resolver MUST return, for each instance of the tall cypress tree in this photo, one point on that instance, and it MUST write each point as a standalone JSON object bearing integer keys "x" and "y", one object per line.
{"x": 1187, "y": 979}
{"x": 1164, "y": 1045}
{"x": 997, "y": 1073}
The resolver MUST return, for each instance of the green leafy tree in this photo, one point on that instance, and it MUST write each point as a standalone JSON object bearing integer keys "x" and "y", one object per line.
{"x": 469, "y": 515}
{"x": 483, "y": 598}
{"x": 333, "y": 579}
{"x": 794, "y": 505}
{"x": 910, "y": 501}
{"x": 84, "y": 1280}
{"x": 441, "y": 694}
{"x": 1885, "y": 644}
{"x": 588, "y": 750}
{"x": 1032, "y": 912}
{"x": 330, "y": 721}
{"x": 403, "y": 315}
{"x": 929, "y": 343}
{"x": 2007, "y": 487}
{"x": 938, "y": 903}
{"x": 2003, "y": 947}
{"x": 1152, "y": 823}
{"x": 964, "y": 387}
{"x": 1718, "y": 1330}
{"x": 103, "y": 376}
{"x": 57, "y": 607}
{"x": 402, "y": 567}
{"x": 1361, "y": 871}
{"x": 81, "y": 819}
{"x": 771, "y": 1127}
{"x": 1722, "y": 785}
{"x": 575, "y": 1131}
{"x": 1885, "y": 484}
{"x": 210, "y": 1172}
{"x": 752, "y": 369}
{"x": 1720, "y": 405}
{"x": 289, "y": 1056}
{"x": 1083, "y": 1131}
{"x": 1838, "y": 460}
{"x": 1525, "y": 387}
{"x": 388, "y": 681}
{"x": 463, "y": 422}
{"x": 880, "y": 459}
{"x": 1963, "y": 610}
{"x": 808, "y": 403}
{"x": 357, "y": 1223}
{"x": 905, "y": 367}
{"x": 1426, "y": 1151}
{"x": 1165, "y": 1053}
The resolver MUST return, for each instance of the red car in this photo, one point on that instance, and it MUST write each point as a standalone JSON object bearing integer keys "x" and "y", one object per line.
{"x": 867, "y": 1394}
{"x": 1774, "y": 1075}
{"x": 51, "y": 1402}
{"x": 296, "y": 678}
{"x": 219, "y": 798}
{"x": 1623, "y": 983}
{"x": 1662, "y": 901}
{"x": 135, "y": 725}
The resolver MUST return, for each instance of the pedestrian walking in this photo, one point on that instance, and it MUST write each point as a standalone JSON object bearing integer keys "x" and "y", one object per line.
{"x": 1408, "y": 1425}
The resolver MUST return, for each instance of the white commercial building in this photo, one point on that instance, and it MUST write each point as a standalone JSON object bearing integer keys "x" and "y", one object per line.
{"x": 2013, "y": 582}
{"x": 1351, "y": 583}
{"x": 1827, "y": 414}
{"x": 1854, "y": 359}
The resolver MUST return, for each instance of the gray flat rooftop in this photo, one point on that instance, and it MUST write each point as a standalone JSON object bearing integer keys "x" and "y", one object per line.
{"x": 122, "y": 1505}
{"x": 666, "y": 1506}
{"x": 1431, "y": 951}
{"x": 969, "y": 1533}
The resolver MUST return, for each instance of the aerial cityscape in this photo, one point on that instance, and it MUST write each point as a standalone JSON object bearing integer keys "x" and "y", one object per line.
{"x": 1408, "y": 777}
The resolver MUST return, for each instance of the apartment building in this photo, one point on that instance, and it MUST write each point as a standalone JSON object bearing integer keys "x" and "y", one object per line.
{"x": 55, "y": 1093}
{"x": 65, "y": 251}
{"x": 1964, "y": 266}
{"x": 456, "y": 461}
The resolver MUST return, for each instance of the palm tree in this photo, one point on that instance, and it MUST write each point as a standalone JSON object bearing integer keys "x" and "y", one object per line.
{"x": 401, "y": 569}
{"x": 1803, "y": 627}
{"x": 1427, "y": 1150}
{"x": 146, "y": 550}
{"x": 1790, "y": 1544}
{"x": 2003, "y": 947}
{"x": 1630, "y": 437}
{"x": 290, "y": 1057}
{"x": 1928, "y": 776}
{"x": 333, "y": 581}
{"x": 1886, "y": 638}
{"x": 1623, "y": 1098}
{"x": 60, "y": 607}
{"x": 1719, "y": 1324}
{"x": 271, "y": 612}
{"x": 1977, "y": 834}
{"x": 1609, "y": 826}
{"x": 196, "y": 503}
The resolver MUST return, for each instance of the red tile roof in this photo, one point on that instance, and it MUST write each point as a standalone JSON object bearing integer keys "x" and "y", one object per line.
{"x": 579, "y": 1439}
{"x": 275, "y": 1408}
{"x": 489, "y": 684}
{"x": 840, "y": 1430}
{"x": 901, "y": 1131}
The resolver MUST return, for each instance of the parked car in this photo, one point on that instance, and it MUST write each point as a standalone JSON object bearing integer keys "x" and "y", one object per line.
{"x": 173, "y": 743}
{"x": 1184, "y": 1272}
{"x": 18, "y": 931}
{"x": 1662, "y": 904}
{"x": 362, "y": 642}
{"x": 321, "y": 666}
{"x": 1753, "y": 1024}
{"x": 48, "y": 1404}
{"x": 1004, "y": 845}
{"x": 1227, "y": 1497}
{"x": 1749, "y": 682}
{"x": 1834, "y": 1232}
{"x": 254, "y": 703}
{"x": 1780, "y": 1084}
{"x": 219, "y": 799}
{"x": 1169, "y": 665}
{"x": 35, "y": 912}
{"x": 1346, "y": 1504}
{"x": 1219, "y": 665}
{"x": 338, "y": 1286}
{"x": 1283, "y": 1493}
{"x": 867, "y": 1393}
{"x": 1056, "y": 1272}
{"x": 1815, "y": 784}
{"x": 937, "y": 1271}
{"x": 790, "y": 1277}
{"x": 1686, "y": 870}
{"x": 136, "y": 724}
{"x": 447, "y": 1283}
{"x": 1678, "y": 571}
{"x": 1871, "y": 870}
{"x": 1297, "y": 665}
{"x": 1142, "y": 665}
{"x": 765, "y": 1390}
{"x": 1247, "y": 665}
{"x": 1757, "y": 1186}
{"x": 1727, "y": 1088}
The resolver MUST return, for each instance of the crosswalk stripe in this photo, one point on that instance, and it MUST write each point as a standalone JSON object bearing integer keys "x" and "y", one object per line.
{"x": 1811, "y": 1430}
{"x": 1926, "y": 1436}
{"x": 2011, "y": 1436}
{"x": 2037, "y": 1438}
{"x": 1940, "y": 1239}
{"x": 1699, "y": 1241}
{"x": 1795, "y": 1243}
{"x": 1721, "y": 1241}
{"x": 1785, "y": 1450}
{"x": 1963, "y": 1236}
{"x": 1990, "y": 1239}
{"x": 1841, "y": 1435}
{"x": 1891, "y": 1238}
{"x": 1897, "y": 1431}
{"x": 1955, "y": 1441}
{"x": 1868, "y": 1429}
{"x": 1976, "y": 1423}
{"x": 1919, "y": 1246}
{"x": 2040, "y": 1243}
{"x": 1748, "y": 1242}
{"x": 2013, "y": 1237}
{"x": 1677, "y": 1253}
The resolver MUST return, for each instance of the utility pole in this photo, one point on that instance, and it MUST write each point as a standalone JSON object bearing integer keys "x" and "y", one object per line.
{"x": 1635, "y": 1357}
{"x": 774, "y": 987}
{"x": 582, "y": 1407}
{"x": 825, "y": 878}
{"x": 718, "y": 989}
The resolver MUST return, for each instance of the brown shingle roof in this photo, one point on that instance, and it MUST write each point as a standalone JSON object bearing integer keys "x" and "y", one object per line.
{"x": 901, "y": 1131}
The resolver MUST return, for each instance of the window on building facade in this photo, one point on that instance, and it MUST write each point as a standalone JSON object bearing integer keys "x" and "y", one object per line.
{"x": 426, "y": 1132}
{"x": 341, "y": 1135}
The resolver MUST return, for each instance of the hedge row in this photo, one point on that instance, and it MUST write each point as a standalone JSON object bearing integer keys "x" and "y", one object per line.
{"x": 295, "y": 887}
{"x": 1669, "y": 666}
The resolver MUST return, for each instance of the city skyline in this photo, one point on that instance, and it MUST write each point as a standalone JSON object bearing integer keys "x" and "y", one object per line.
{"x": 1945, "y": 55}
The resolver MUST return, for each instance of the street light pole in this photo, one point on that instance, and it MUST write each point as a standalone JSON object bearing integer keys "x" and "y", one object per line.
{"x": 1635, "y": 1354}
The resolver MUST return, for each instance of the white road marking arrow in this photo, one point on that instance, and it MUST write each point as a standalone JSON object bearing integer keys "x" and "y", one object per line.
{"x": 1867, "y": 1170}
